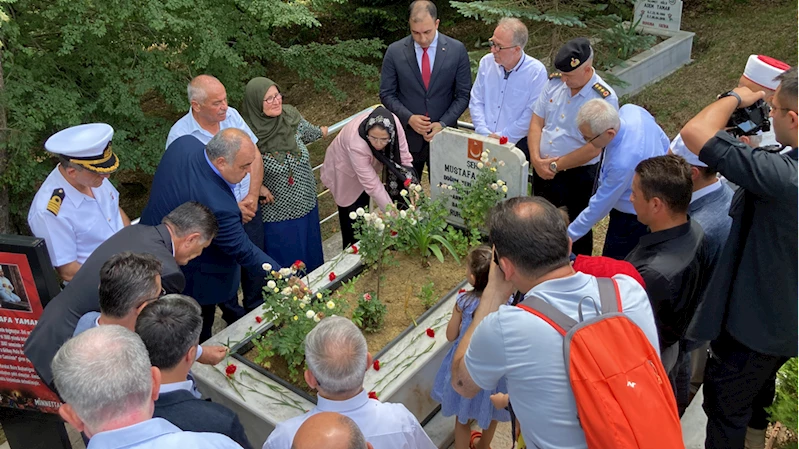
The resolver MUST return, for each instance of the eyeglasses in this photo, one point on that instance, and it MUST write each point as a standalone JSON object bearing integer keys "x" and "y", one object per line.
{"x": 596, "y": 136}
{"x": 496, "y": 46}
{"x": 149, "y": 300}
{"x": 273, "y": 98}
{"x": 378, "y": 140}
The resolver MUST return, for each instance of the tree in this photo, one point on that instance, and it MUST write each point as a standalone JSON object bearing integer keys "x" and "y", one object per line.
{"x": 127, "y": 64}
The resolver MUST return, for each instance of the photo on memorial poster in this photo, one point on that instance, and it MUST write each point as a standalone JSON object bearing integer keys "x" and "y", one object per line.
{"x": 12, "y": 290}
{"x": 20, "y": 308}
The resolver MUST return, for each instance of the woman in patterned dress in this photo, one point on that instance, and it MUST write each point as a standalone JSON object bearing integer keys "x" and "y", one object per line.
{"x": 290, "y": 213}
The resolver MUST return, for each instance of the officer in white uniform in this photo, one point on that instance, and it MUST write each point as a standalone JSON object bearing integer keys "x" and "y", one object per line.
{"x": 564, "y": 161}
{"x": 76, "y": 208}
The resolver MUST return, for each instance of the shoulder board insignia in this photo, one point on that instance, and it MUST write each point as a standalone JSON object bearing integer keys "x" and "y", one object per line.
{"x": 555, "y": 75}
{"x": 54, "y": 205}
{"x": 601, "y": 90}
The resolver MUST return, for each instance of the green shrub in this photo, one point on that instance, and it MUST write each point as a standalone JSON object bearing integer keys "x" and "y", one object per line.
{"x": 784, "y": 408}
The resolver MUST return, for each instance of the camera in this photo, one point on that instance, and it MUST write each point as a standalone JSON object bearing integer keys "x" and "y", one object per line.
{"x": 749, "y": 120}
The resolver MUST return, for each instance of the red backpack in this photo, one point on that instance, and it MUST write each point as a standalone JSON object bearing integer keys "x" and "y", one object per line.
{"x": 624, "y": 398}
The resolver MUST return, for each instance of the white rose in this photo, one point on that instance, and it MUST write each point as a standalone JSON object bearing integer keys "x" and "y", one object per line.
{"x": 418, "y": 188}
{"x": 285, "y": 272}
{"x": 310, "y": 314}
{"x": 404, "y": 192}
{"x": 367, "y": 217}
{"x": 316, "y": 319}
{"x": 484, "y": 159}
{"x": 353, "y": 216}
{"x": 494, "y": 186}
{"x": 413, "y": 222}
{"x": 485, "y": 154}
{"x": 501, "y": 163}
{"x": 271, "y": 284}
{"x": 267, "y": 267}
{"x": 378, "y": 221}
{"x": 381, "y": 227}
{"x": 449, "y": 187}
{"x": 505, "y": 189}
{"x": 479, "y": 165}
{"x": 359, "y": 211}
{"x": 286, "y": 291}
{"x": 500, "y": 182}
{"x": 403, "y": 214}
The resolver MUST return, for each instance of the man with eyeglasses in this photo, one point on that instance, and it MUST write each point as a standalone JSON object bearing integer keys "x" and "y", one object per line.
{"x": 749, "y": 313}
{"x": 565, "y": 165}
{"x": 628, "y": 136}
{"x": 507, "y": 86}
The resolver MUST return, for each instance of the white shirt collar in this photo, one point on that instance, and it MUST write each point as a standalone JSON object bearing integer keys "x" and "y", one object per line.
{"x": 353, "y": 403}
{"x": 187, "y": 385}
{"x": 705, "y": 191}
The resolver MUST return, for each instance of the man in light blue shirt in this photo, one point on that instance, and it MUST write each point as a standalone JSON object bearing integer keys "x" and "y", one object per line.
{"x": 209, "y": 114}
{"x": 109, "y": 388}
{"x": 507, "y": 86}
{"x": 532, "y": 250}
{"x": 565, "y": 165}
{"x": 628, "y": 136}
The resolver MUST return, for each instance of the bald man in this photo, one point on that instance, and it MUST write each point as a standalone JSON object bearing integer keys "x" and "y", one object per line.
{"x": 329, "y": 430}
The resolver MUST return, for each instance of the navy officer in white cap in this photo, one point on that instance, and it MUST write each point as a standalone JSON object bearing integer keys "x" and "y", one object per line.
{"x": 76, "y": 208}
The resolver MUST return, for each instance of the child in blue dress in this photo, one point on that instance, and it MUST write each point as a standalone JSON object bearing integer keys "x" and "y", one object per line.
{"x": 478, "y": 408}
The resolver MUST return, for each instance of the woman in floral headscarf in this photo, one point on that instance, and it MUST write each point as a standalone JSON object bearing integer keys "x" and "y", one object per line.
{"x": 371, "y": 146}
{"x": 290, "y": 212}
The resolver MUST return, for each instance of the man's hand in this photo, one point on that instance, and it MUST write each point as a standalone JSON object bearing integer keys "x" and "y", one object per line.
{"x": 267, "y": 195}
{"x": 497, "y": 284}
{"x": 436, "y": 128}
{"x": 541, "y": 166}
{"x": 212, "y": 355}
{"x": 324, "y": 131}
{"x": 247, "y": 206}
{"x": 748, "y": 98}
{"x": 494, "y": 135}
{"x": 421, "y": 124}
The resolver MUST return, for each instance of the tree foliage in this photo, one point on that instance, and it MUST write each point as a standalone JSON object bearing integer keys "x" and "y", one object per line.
{"x": 784, "y": 408}
{"x": 127, "y": 63}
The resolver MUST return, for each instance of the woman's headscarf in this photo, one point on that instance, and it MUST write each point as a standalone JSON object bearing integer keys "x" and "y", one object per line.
{"x": 276, "y": 135}
{"x": 394, "y": 174}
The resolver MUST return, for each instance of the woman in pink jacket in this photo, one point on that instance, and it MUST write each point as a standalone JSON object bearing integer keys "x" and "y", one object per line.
{"x": 369, "y": 146}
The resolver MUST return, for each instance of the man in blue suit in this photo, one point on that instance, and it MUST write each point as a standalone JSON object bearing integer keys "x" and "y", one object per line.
{"x": 425, "y": 81}
{"x": 189, "y": 171}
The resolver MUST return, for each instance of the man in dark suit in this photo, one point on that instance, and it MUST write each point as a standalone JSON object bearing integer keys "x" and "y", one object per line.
{"x": 170, "y": 329}
{"x": 425, "y": 81}
{"x": 190, "y": 171}
{"x": 182, "y": 236}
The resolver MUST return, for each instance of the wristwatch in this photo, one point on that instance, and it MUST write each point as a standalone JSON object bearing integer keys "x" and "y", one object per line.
{"x": 731, "y": 94}
{"x": 553, "y": 166}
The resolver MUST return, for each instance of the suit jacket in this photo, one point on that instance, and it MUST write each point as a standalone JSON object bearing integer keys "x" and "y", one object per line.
{"x": 182, "y": 409}
{"x": 402, "y": 90}
{"x": 61, "y": 315}
{"x": 185, "y": 175}
{"x": 752, "y": 292}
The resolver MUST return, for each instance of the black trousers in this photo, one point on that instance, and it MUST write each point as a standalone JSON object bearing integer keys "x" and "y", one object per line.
{"x": 624, "y": 230}
{"x": 347, "y": 233}
{"x": 737, "y": 380}
{"x": 571, "y": 188}
{"x": 420, "y": 159}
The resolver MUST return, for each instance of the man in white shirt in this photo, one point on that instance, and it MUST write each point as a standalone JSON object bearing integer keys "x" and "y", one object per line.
{"x": 209, "y": 114}
{"x": 330, "y": 430}
{"x": 531, "y": 254}
{"x": 89, "y": 370}
{"x": 507, "y": 86}
{"x": 337, "y": 360}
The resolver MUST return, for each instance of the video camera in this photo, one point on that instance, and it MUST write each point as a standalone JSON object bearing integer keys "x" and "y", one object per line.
{"x": 749, "y": 120}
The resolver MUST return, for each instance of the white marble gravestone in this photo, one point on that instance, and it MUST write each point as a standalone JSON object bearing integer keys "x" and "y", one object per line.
{"x": 454, "y": 154}
{"x": 658, "y": 15}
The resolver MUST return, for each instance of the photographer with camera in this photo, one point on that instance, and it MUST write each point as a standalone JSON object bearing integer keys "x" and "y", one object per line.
{"x": 749, "y": 311}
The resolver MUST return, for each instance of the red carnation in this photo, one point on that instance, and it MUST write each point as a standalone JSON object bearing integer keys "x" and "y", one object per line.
{"x": 298, "y": 265}
{"x": 354, "y": 249}
{"x": 332, "y": 276}
{"x": 462, "y": 290}
{"x": 503, "y": 140}
{"x": 373, "y": 395}
{"x": 258, "y": 319}
{"x": 230, "y": 370}
{"x": 291, "y": 180}
{"x": 430, "y": 333}
{"x": 376, "y": 365}
{"x": 407, "y": 182}
{"x": 393, "y": 233}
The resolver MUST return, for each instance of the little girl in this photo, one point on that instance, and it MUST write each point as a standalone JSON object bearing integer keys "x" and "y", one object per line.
{"x": 478, "y": 408}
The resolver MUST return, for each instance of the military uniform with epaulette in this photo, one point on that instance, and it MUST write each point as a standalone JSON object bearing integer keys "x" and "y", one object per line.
{"x": 73, "y": 223}
{"x": 560, "y": 135}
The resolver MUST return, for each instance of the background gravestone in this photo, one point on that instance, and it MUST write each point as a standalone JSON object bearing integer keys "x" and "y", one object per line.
{"x": 658, "y": 15}
{"x": 454, "y": 154}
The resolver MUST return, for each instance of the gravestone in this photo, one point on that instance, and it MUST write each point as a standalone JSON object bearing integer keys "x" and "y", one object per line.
{"x": 454, "y": 155}
{"x": 658, "y": 15}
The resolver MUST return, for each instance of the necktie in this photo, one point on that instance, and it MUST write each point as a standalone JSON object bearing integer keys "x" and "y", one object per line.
{"x": 425, "y": 68}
